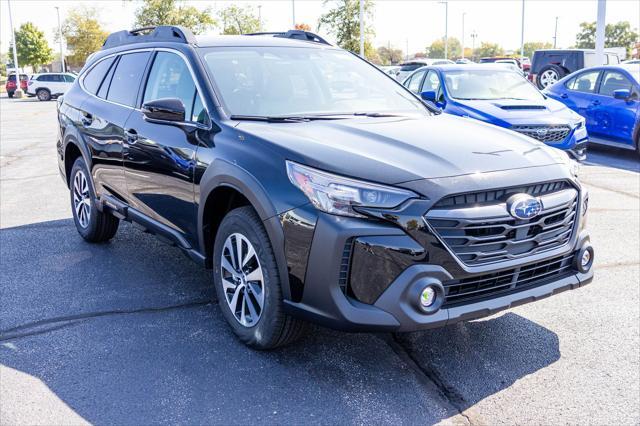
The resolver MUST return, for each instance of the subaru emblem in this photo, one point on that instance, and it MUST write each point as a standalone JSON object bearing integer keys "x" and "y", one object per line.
{"x": 542, "y": 132}
{"x": 524, "y": 206}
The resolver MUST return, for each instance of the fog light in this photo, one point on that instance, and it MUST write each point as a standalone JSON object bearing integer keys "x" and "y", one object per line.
{"x": 427, "y": 297}
{"x": 585, "y": 259}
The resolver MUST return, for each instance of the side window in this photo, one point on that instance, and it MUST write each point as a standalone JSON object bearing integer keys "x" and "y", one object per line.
{"x": 104, "y": 86}
{"x": 614, "y": 81}
{"x": 432, "y": 82}
{"x": 57, "y": 78}
{"x": 199, "y": 112}
{"x": 69, "y": 78}
{"x": 585, "y": 82}
{"x": 414, "y": 84}
{"x": 126, "y": 78}
{"x": 93, "y": 78}
{"x": 170, "y": 78}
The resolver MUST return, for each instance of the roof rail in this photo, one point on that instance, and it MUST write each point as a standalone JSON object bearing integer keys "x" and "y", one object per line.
{"x": 295, "y": 34}
{"x": 167, "y": 33}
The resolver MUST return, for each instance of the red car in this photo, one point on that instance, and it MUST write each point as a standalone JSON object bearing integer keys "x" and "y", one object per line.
{"x": 11, "y": 84}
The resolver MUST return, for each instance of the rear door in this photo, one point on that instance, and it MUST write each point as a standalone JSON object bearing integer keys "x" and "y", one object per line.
{"x": 615, "y": 118}
{"x": 577, "y": 94}
{"x": 159, "y": 158}
{"x": 113, "y": 84}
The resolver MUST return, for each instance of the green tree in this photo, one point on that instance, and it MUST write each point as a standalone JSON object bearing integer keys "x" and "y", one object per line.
{"x": 454, "y": 48}
{"x": 532, "y": 46}
{"x": 239, "y": 20}
{"x": 343, "y": 21}
{"x": 389, "y": 56}
{"x": 83, "y": 34}
{"x": 33, "y": 48}
{"x": 171, "y": 12}
{"x": 615, "y": 35}
{"x": 487, "y": 49}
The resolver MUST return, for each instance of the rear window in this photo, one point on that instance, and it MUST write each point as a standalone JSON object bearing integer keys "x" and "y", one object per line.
{"x": 94, "y": 77}
{"x": 126, "y": 78}
{"x": 410, "y": 67}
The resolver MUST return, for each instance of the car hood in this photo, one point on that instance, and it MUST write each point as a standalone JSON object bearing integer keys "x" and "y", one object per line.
{"x": 507, "y": 112}
{"x": 400, "y": 149}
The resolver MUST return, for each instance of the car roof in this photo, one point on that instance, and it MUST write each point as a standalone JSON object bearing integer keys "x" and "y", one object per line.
{"x": 257, "y": 41}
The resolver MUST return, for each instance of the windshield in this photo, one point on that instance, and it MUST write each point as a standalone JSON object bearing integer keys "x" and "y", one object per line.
{"x": 490, "y": 85}
{"x": 293, "y": 81}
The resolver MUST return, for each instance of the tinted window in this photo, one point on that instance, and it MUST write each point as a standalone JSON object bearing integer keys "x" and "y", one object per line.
{"x": 126, "y": 78}
{"x": 93, "y": 78}
{"x": 199, "y": 112}
{"x": 104, "y": 86}
{"x": 69, "y": 78}
{"x": 44, "y": 78}
{"x": 414, "y": 84}
{"x": 614, "y": 81}
{"x": 432, "y": 82}
{"x": 585, "y": 82}
{"x": 170, "y": 78}
{"x": 411, "y": 67}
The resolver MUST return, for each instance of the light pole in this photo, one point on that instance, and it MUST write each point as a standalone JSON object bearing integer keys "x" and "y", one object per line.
{"x": 362, "y": 28}
{"x": 463, "y": 13}
{"x": 446, "y": 27}
{"x": 18, "y": 92}
{"x": 555, "y": 34}
{"x": 60, "y": 36}
{"x": 600, "y": 31}
{"x": 473, "y": 36}
{"x": 293, "y": 13}
{"x": 522, "y": 38}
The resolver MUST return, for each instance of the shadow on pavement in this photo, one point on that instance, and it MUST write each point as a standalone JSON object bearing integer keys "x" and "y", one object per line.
{"x": 613, "y": 157}
{"x": 135, "y": 341}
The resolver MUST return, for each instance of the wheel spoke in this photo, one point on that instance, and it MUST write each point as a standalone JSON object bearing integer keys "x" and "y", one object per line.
{"x": 257, "y": 293}
{"x": 243, "y": 311}
{"x": 228, "y": 284}
{"x": 239, "y": 251}
{"x": 255, "y": 275}
{"x": 233, "y": 303}
{"x": 224, "y": 263}
{"x": 252, "y": 309}
{"x": 229, "y": 248}
{"x": 250, "y": 253}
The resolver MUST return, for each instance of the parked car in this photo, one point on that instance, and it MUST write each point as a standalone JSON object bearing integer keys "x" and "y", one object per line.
{"x": 49, "y": 85}
{"x": 353, "y": 205}
{"x": 631, "y": 62}
{"x": 408, "y": 67}
{"x": 523, "y": 65}
{"x": 11, "y": 86}
{"x": 392, "y": 70}
{"x": 498, "y": 95}
{"x": 550, "y": 65}
{"x": 608, "y": 98}
{"x": 464, "y": 61}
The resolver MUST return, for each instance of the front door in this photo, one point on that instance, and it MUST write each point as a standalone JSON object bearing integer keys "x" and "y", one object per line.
{"x": 579, "y": 96}
{"x": 615, "y": 118}
{"x": 159, "y": 159}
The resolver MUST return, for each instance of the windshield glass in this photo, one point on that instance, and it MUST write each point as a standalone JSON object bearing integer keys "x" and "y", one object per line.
{"x": 490, "y": 84}
{"x": 292, "y": 81}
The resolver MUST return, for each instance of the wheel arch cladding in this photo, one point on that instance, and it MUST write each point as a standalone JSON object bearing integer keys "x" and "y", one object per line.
{"x": 237, "y": 187}
{"x": 71, "y": 154}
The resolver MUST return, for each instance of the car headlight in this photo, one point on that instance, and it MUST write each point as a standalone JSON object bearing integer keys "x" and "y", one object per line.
{"x": 573, "y": 166}
{"x": 579, "y": 123}
{"x": 338, "y": 195}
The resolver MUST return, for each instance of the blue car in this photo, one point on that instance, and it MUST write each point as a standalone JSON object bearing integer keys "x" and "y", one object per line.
{"x": 502, "y": 96}
{"x": 608, "y": 98}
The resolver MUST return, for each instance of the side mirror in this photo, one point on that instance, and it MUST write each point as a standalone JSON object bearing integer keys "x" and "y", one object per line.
{"x": 622, "y": 94}
{"x": 167, "y": 109}
{"x": 428, "y": 95}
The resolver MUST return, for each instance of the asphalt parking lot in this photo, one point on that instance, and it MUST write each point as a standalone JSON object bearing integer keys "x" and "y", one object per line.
{"x": 129, "y": 332}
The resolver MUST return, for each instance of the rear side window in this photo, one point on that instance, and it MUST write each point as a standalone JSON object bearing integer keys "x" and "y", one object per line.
{"x": 45, "y": 77}
{"x": 585, "y": 82}
{"x": 613, "y": 81}
{"x": 94, "y": 77}
{"x": 126, "y": 78}
{"x": 414, "y": 84}
{"x": 170, "y": 78}
{"x": 69, "y": 78}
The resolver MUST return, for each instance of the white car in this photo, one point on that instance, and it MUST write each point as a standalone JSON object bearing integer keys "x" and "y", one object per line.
{"x": 410, "y": 66}
{"x": 49, "y": 85}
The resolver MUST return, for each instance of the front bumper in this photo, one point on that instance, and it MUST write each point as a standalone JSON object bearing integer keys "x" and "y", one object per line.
{"x": 363, "y": 275}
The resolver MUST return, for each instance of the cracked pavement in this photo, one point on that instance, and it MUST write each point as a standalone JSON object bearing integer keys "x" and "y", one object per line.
{"x": 130, "y": 333}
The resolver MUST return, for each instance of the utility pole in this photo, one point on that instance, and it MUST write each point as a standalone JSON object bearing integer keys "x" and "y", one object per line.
{"x": 446, "y": 27}
{"x": 362, "y": 28}
{"x": 18, "y": 92}
{"x": 555, "y": 34}
{"x": 522, "y": 38}
{"x": 473, "y": 36}
{"x": 407, "y": 58}
{"x": 463, "y": 13}
{"x": 600, "y": 33}
{"x": 260, "y": 16}
{"x": 62, "y": 67}
{"x": 293, "y": 13}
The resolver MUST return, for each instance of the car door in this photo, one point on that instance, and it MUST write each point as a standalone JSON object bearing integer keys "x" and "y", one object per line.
{"x": 113, "y": 87}
{"x": 615, "y": 118}
{"x": 159, "y": 158}
{"x": 577, "y": 94}
{"x": 432, "y": 82}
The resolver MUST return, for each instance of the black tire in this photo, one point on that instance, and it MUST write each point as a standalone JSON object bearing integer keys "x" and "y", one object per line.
{"x": 99, "y": 226}
{"x": 274, "y": 327}
{"x": 554, "y": 73}
{"x": 43, "y": 95}
{"x": 10, "y": 94}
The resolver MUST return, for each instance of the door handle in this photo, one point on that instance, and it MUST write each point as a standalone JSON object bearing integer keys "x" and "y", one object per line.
{"x": 86, "y": 119}
{"x": 595, "y": 102}
{"x": 131, "y": 136}
{"x": 564, "y": 96}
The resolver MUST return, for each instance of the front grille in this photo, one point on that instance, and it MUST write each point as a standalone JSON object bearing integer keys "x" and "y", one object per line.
{"x": 471, "y": 289}
{"x": 343, "y": 280}
{"x": 544, "y": 133}
{"x": 491, "y": 196}
{"x": 487, "y": 234}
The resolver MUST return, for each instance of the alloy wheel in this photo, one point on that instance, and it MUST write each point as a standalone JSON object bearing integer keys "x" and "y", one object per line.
{"x": 548, "y": 78}
{"x": 242, "y": 279}
{"x": 81, "y": 199}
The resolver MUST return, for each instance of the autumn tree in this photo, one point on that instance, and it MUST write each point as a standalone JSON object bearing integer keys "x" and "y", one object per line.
{"x": 389, "y": 55}
{"x": 343, "y": 22}
{"x": 239, "y": 20}
{"x": 303, "y": 27}
{"x": 531, "y": 46}
{"x": 454, "y": 48}
{"x": 487, "y": 49}
{"x": 33, "y": 48}
{"x": 153, "y": 13}
{"x": 83, "y": 34}
{"x": 615, "y": 35}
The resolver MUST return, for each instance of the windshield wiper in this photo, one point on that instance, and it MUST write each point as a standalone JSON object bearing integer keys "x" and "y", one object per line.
{"x": 282, "y": 119}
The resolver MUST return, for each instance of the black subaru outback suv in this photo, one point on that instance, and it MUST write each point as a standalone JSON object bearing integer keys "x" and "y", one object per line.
{"x": 314, "y": 186}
